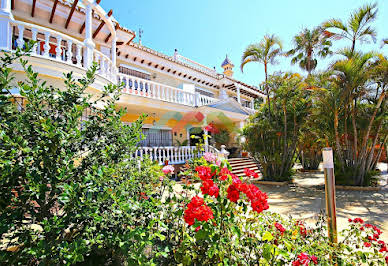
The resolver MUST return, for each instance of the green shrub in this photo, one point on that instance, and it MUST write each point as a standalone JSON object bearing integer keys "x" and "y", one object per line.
{"x": 68, "y": 191}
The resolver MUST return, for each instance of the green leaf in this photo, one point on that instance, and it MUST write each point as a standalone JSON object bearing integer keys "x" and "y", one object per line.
{"x": 267, "y": 236}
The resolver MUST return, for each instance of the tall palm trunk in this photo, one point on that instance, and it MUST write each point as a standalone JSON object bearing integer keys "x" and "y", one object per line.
{"x": 361, "y": 176}
{"x": 266, "y": 87}
{"x": 337, "y": 140}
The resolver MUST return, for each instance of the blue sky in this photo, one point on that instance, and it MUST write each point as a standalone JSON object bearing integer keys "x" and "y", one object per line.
{"x": 206, "y": 30}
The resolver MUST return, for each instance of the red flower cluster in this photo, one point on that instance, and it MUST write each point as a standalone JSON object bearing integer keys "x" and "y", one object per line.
{"x": 280, "y": 228}
{"x": 224, "y": 174}
{"x": 356, "y": 220}
{"x": 211, "y": 128}
{"x": 302, "y": 228}
{"x": 383, "y": 246}
{"x": 304, "y": 259}
{"x": 208, "y": 187}
{"x": 258, "y": 199}
{"x": 197, "y": 209}
{"x": 233, "y": 193}
{"x": 250, "y": 173}
{"x": 204, "y": 172}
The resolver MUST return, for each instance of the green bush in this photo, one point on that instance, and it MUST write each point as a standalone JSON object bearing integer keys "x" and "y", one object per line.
{"x": 273, "y": 134}
{"x": 68, "y": 191}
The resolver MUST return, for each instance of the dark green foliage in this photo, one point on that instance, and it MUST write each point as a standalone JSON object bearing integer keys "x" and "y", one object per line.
{"x": 272, "y": 140}
{"x": 68, "y": 190}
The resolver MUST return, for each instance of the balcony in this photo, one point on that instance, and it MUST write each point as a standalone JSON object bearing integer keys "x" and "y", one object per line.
{"x": 149, "y": 89}
{"x": 53, "y": 45}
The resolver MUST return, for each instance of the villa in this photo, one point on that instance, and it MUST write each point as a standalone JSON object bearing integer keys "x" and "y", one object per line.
{"x": 180, "y": 96}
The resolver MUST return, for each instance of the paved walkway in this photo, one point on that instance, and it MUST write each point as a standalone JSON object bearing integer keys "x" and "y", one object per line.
{"x": 306, "y": 199}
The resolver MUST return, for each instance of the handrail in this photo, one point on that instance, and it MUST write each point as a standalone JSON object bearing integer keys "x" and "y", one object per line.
{"x": 107, "y": 69}
{"x": 172, "y": 154}
{"x": 195, "y": 64}
{"x": 44, "y": 29}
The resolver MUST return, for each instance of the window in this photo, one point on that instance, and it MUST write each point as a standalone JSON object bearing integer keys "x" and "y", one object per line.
{"x": 156, "y": 137}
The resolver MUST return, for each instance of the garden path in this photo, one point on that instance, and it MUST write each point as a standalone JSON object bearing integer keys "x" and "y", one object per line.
{"x": 306, "y": 199}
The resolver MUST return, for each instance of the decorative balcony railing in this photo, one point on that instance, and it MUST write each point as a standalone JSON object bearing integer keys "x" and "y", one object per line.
{"x": 54, "y": 45}
{"x": 174, "y": 155}
{"x": 154, "y": 90}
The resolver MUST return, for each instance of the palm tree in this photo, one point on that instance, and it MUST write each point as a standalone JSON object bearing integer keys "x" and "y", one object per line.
{"x": 265, "y": 53}
{"x": 308, "y": 45}
{"x": 357, "y": 27}
{"x": 352, "y": 76}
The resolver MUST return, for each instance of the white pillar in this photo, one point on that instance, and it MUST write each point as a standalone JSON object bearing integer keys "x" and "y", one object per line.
{"x": 114, "y": 40}
{"x": 206, "y": 140}
{"x": 88, "y": 57}
{"x": 5, "y": 25}
{"x": 238, "y": 95}
{"x": 242, "y": 123}
{"x": 253, "y": 103}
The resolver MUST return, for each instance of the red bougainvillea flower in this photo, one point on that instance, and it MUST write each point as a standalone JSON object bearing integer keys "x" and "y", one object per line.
{"x": 197, "y": 209}
{"x": 233, "y": 193}
{"x": 386, "y": 259}
{"x": 211, "y": 128}
{"x": 250, "y": 173}
{"x": 208, "y": 187}
{"x": 314, "y": 259}
{"x": 280, "y": 228}
{"x": 258, "y": 199}
{"x": 204, "y": 172}
{"x": 224, "y": 173}
{"x": 367, "y": 244}
{"x": 358, "y": 220}
{"x": 304, "y": 259}
{"x": 350, "y": 220}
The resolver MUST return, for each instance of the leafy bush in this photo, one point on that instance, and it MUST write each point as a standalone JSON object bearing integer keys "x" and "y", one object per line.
{"x": 68, "y": 191}
{"x": 222, "y": 220}
{"x": 272, "y": 136}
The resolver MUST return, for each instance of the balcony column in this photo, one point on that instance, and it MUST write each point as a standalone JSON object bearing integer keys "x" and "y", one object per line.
{"x": 206, "y": 140}
{"x": 238, "y": 94}
{"x": 88, "y": 55}
{"x": 6, "y": 18}
{"x": 114, "y": 54}
{"x": 253, "y": 103}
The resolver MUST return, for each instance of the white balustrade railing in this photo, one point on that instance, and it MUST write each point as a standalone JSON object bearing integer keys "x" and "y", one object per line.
{"x": 107, "y": 68}
{"x": 58, "y": 46}
{"x": 150, "y": 89}
{"x": 174, "y": 155}
{"x": 50, "y": 43}
{"x": 194, "y": 64}
{"x": 205, "y": 100}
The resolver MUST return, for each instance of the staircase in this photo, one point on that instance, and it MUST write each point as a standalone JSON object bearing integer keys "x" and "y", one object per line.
{"x": 239, "y": 164}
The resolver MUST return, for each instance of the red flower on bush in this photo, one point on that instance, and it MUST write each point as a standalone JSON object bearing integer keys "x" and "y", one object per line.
{"x": 358, "y": 220}
{"x": 280, "y": 228}
{"x": 305, "y": 259}
{"x": 211, "y": 128}
{"x": 233, "y": 193}
{"x": 224, "y": 173}
{"x": 204, "y": 172}
{"x": 367, "y": 244}
{"x": 208, "y": 187}
{"x": 197, "y": 209}
{"x": 250, "y": 173}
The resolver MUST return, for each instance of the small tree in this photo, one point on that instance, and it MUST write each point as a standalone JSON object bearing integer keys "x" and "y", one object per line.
{"x": 273, "y": 140}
